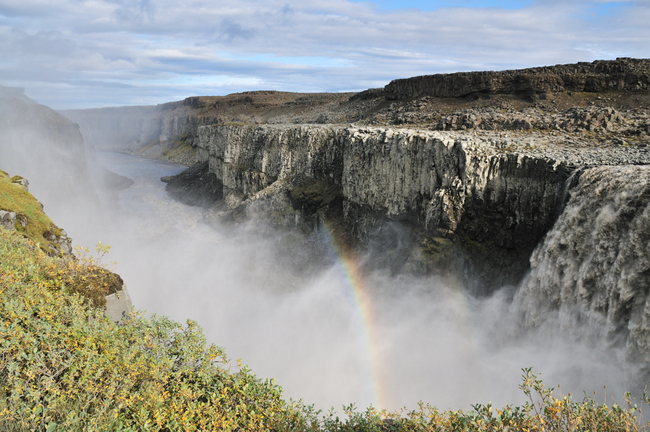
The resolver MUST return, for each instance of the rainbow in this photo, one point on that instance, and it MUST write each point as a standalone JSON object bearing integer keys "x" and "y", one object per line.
{"x": 352, "y": 276}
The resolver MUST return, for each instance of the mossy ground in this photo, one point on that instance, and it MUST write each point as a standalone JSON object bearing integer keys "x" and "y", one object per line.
{"x": 16, "y": 199}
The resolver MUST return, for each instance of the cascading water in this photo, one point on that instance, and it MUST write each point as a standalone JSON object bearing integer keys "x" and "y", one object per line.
{"x": 592, "y": 272}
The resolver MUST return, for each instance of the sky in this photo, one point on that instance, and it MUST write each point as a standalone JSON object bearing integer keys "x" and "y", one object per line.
{"x": 97, "y": 53}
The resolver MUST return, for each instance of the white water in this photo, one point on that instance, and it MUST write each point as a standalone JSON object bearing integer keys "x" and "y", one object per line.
{"x": 302, "y": 326}
{"x": 592, "y": 272}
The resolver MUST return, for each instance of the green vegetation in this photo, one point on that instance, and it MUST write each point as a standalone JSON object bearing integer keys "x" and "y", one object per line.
{"x": 35, "y": 224}
{"x": 179, "y": 148}
{"x": 182, "y": 146}
{"x": 150, "y": 145}
{"x": 65, "y": 367}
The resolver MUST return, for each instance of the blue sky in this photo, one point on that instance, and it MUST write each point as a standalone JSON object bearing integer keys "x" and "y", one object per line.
{"x": 96, "y": 53}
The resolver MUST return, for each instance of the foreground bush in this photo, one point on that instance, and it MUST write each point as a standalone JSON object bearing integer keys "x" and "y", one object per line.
{"x": 65, "y": 367}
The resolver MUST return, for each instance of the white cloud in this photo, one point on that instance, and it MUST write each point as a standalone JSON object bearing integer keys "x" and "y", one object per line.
{"x": 291, "y": 45}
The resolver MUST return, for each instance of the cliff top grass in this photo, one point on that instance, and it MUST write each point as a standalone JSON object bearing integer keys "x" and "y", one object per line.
{"x": 66, "y": 367}
{"x": 38, "y": 226}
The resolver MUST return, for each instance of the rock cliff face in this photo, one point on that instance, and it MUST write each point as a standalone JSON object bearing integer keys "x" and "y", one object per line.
{"x": 485, "y": 201}
{"x": 151, "y": 129}
{"x": 600, "y": 76}
{"x": 470, "y": 207}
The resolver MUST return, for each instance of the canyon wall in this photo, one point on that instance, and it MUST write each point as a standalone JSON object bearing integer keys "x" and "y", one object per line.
{"x": 461, "y": 195}
{"x": 157, "y": 131}
{"x": 41, "y": 145}
{"x": 135, "y": 128}
{"x": 470, "y": 208}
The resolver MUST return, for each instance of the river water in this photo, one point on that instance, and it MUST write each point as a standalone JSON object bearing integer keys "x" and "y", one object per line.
{"x": 329, "y": 333}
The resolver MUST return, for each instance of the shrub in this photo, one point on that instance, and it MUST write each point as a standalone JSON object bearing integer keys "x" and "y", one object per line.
{"x": 64, "y": 366}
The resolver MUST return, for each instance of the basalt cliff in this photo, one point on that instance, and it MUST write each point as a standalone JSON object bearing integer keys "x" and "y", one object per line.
{"x": 457, "y": 203}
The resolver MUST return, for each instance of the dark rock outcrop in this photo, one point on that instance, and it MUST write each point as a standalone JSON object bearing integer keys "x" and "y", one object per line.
{"x": 623, "y": 74}
{"x": 195, "y": 186}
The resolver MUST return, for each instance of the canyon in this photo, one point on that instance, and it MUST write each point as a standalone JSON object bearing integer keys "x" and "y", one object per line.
{"x": 533, "y": 179}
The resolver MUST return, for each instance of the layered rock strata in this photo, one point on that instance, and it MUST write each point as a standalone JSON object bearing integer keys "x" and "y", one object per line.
{"x": 486, "y": 200}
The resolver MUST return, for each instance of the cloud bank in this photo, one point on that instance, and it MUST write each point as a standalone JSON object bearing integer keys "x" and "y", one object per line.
{"x": 95, "y": 53}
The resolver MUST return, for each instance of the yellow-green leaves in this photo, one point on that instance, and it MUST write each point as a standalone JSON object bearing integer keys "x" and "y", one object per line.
{"x": 65, "y": 367}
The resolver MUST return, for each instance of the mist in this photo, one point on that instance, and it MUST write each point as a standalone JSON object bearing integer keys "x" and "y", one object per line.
{"x": 296, "y": 319}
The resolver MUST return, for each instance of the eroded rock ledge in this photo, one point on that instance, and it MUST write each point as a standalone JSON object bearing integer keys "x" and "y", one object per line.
{"x": 475, "y": 205}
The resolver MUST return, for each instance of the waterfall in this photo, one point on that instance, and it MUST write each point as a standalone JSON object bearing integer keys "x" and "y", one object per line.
{"x": 592, "y": 271}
